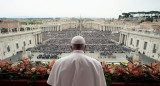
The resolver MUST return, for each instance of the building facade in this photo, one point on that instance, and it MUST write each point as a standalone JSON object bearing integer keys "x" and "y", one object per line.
{"x": 13, "y": 42}
{"x": 15, "y": 37}
{"x": 103, "y": 25}
{"x": 58, "y": 25}
{"x": 146, "y": 42}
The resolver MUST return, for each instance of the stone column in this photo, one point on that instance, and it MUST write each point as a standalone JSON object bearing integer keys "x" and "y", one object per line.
{"x": 35, "y": 39}
{"x": 40, "y": 38}
{"x": 120, "y": 38}
{"x": 53, "y": 28}
{"x": 124, "y": 39}
{"x": 100, "y": 28}
{"x": 39, "y": 35}
{"x": 103, "y": 28}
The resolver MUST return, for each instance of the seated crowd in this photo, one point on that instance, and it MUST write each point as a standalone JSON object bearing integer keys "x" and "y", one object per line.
{"x": 97, "y": 41}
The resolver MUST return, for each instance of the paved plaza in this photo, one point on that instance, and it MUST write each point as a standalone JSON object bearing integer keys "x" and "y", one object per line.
{"x": 120, "y": 57}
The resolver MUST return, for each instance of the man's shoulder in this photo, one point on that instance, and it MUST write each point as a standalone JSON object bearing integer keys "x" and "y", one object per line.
{"x": 93, "y": 60}
{"x": 72, "y": 58}
{"x": 62, "y": 59}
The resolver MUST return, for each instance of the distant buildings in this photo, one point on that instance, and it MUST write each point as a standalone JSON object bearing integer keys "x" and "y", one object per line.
{"x": 14, "y": 36}
{"x": 17, "y": 34}
{"x": 58, "y": 25}
{"x": 144, "y": 36}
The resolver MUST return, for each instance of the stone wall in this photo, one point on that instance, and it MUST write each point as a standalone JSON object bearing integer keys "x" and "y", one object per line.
{"x": 147, "y": 43}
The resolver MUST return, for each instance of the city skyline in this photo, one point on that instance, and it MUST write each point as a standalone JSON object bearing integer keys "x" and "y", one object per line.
{"x": 74, "y": 8}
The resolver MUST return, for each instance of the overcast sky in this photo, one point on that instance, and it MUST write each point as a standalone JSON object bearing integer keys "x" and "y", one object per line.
{"x": 74, "y": 8}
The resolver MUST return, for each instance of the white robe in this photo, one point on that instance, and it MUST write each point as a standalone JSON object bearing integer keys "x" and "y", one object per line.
{"x": 77, "y": 69}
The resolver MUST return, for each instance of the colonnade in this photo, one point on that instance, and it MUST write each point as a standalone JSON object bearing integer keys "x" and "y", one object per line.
{"x": 51, "y": 28}
{"x": 38, "y": 38}
{"x": 58, "y": 27}
{"x": 103, "y": 27}
{"x": 123, "y": 38}
{"x": 146, "y": 43}
{"x": 17, "y": 29}
{"x": 110, "y": 28}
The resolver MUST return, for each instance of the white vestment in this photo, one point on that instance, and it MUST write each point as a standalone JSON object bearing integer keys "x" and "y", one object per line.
{"x": 77, "y": 69}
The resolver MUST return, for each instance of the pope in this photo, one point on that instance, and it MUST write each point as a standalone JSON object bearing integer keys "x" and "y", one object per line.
{"x": 77, "y": 69}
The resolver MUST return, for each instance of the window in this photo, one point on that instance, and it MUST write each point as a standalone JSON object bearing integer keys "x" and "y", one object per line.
{"x": 145, "y": 45}
{"x": 8, "y": 48}
{"x": 17, "y": 46}
{"x": 24, "y": 43}
{"x": 14, "y": 30}
{"x": 4, "y": 30}
{"x": 131, "y": 41}
{"x": 21, "y": 29}
{"x": 4, "y": 53}
{"x": 28, "y": 28}
{"x": 154, "y": 48}
{"x": 30, "y": 42}
{"x": 137, "y": 43}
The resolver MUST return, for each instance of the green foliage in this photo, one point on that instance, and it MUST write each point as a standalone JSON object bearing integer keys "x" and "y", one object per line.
{"x": 120, "y": 17}
{"x": 90, "y": 20}
{"x": 149, "y": 19}
{"x": 126, "y": 15}
{"x": 32, "y": 79}
{"x": 142, "y": 13}
{"x": 33, "y": 22}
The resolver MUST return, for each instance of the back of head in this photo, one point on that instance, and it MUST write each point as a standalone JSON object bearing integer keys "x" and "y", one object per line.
{"x": 78, "y": 43}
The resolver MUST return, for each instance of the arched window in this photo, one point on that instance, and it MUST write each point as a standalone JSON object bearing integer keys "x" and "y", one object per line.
{"x": 21, "y": 29}
{"x": 28, "y": 28}
{"x": 24, "y": 43}
{"x": 131, "y": 42}
{"x": 145, "y": 46}
{"x": 8, "y": 48}
{"x": 30, "y": 42}
{"x": 17, "y": 46}
{"x": 4, "y": 30}
{"x": 154, "y": 48}
{"x": 14, "y": 30}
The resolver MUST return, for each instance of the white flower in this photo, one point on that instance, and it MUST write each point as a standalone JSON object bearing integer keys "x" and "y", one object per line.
{"x": 21, "y": 69}
{"x": 48, "y": 71}
{"x": 33, "y": 69}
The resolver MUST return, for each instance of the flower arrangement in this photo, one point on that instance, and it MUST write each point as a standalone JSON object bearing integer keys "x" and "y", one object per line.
{"x": 25, "y": 70}
{"x": 130, "y": 72}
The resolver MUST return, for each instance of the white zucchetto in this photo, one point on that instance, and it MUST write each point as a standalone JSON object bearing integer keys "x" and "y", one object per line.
{"x": 78, "y": 40}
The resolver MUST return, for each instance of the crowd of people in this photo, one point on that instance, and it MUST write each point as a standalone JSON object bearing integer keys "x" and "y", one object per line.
{"x": 48, "y": 56}
{"x": 97, "y": 41}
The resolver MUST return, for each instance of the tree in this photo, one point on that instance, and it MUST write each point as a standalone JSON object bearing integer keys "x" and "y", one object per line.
{"x": 126, "y": 15}
{"x": 132, "y": 13}
{"x": 155, "y": 14}
{"x": 120, "y": 17}
{"x": 147, "y": 14}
